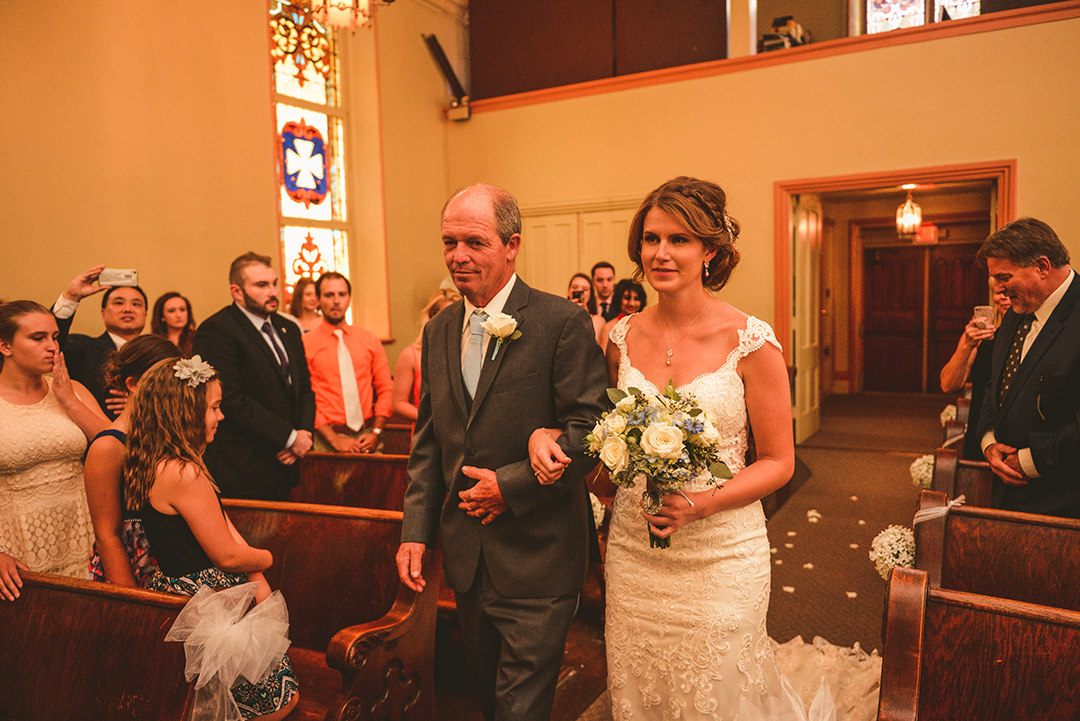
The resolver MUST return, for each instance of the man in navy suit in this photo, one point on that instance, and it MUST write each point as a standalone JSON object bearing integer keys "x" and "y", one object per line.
{"x": 266, "y": 391}
{"x": 1030, "y": 420}
{"x": 123, "y": 312}
{"x": 514, "y": 551}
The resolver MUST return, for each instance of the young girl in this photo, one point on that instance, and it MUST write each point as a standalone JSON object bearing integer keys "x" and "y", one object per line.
{"x": 174, "y": 415}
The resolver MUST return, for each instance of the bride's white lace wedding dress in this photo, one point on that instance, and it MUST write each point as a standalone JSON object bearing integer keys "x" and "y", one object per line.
{"x": 685, "y": 629}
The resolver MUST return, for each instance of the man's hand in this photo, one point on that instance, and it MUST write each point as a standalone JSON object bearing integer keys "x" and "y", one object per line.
{"x": 302, "y": 444}
{"x": 10, "y": 583}
{"x": 484, "y": 500}
{"x": 367, "y": 442}
{"x": 83, "y": 284}
{"x": 116, "y": 401}
{"x": 1005, "y": 462}
{"x": 286, "y": 457}
{"x": 410, "y": 564}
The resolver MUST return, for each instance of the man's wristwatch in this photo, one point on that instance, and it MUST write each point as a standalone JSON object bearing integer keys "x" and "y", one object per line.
{"x": 376, "y": 431}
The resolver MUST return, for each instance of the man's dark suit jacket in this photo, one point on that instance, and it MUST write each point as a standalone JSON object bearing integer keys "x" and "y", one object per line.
{"x": 261, "y": 408}
{"x": 553, "y": 376}
{"x": 612, "y": 309}
{"x": 1041, "y": 411}
{"x": 85, "y": 357}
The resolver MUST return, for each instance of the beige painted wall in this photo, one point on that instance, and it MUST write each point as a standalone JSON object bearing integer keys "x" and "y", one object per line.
{"x": 138, "y": 135}
{"x": 992, "y": 96}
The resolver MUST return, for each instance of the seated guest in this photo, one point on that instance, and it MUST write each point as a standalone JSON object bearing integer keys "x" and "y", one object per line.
{"x": 173, "y": 320}
{"x": 44, "y": 425}
{"x": 175, "y": 412}
{"x": 580, "y": 292}
{"x": 304, "y": 306}
{"x": 349, "y": 374}
{"x": 629, "y": 299}
{"x": 123, "y": 312}
{"x": 121, "y": 553}
{"x": 407, "y": 370}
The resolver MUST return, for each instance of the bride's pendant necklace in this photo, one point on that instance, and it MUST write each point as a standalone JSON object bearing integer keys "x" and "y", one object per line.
{"x": 663, "y": 331}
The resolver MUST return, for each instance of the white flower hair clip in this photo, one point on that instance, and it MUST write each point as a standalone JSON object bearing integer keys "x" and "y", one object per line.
{"x": 194, "y": 370}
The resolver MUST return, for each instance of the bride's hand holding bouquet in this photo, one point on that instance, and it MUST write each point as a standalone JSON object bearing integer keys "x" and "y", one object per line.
{"x": 669, "y": 440}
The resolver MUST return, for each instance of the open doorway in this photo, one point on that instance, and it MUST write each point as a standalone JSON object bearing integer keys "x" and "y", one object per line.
{"x": 857, "y": 308}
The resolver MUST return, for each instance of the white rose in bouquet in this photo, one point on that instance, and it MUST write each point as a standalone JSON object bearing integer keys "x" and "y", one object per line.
{"x": 626, "y": 403}
{"x": 709, "y": 436}
{"x": 616, "y": 423}
{"x": 596, "y": 439}
{"x": 662, "y": 440}
{"x": 614, "y": 455}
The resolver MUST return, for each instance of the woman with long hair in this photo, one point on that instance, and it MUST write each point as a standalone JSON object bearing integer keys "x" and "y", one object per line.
{"x": 406, "y": 391}
{"x": 175, "y": 412}
{"x": 121, "y": 552}
{"x": 173, "y": 320}
{"x": 629, "y": 298}
{"x": 44, "y": 425}
{"x": 304, "y": 305}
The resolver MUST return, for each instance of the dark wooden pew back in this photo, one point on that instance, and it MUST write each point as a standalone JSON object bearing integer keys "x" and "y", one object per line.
{"x": 358, "y": 480}
{"x": 72, "y": 649}
{"x": 956, "y": 477}
{"x": 955, "y": 655}
{"x": 1018, "y": 556}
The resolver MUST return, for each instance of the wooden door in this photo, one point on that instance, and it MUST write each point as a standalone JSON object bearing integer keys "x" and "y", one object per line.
{"x": 893, "y": 289}
{"x": 806, "y": 324}
{"x": 956, "y": 286}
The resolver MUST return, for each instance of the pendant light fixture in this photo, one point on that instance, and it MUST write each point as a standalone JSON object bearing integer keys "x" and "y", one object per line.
{"x": 908, "y": 216}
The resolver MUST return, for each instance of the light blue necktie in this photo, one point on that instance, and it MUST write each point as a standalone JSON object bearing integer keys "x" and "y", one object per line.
{"x": 474, "y": 355}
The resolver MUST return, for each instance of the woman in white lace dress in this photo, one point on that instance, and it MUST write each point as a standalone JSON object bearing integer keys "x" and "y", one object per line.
{"x": 44, "y": 425}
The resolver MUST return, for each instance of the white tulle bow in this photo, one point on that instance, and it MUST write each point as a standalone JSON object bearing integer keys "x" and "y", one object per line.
{"x": 223, "y": 642}
{"x": 927, "y": 514}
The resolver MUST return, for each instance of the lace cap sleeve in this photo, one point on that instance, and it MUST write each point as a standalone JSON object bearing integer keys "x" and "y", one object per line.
{"x": 618, "y": 334}
{"x": 756, "y": 334}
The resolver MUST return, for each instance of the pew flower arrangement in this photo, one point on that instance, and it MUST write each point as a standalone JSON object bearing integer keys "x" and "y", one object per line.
{"x": 893, "y": 547}
{"x": 667, "y": 438}
{"x": 948, "y": 414}
{"x": 922, "y": 472}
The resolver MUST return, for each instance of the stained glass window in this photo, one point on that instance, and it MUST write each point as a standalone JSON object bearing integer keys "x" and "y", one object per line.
{"x": 957, "y": 8}
{"x": 310, "y": 144}
{"x": 884, "y": 15}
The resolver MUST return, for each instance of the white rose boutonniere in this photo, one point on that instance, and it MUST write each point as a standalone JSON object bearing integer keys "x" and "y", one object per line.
{"x": 503, "y": 327}
{"x": 662, "y": 440}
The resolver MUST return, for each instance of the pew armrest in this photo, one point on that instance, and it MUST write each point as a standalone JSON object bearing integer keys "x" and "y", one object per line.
{"x": 387, "y": 665}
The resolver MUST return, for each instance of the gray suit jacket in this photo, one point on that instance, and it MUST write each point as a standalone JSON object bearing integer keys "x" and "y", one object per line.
{"x": 553, "y": 376}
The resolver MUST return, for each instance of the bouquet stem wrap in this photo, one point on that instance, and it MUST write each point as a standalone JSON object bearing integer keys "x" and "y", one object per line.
{"x": 653, "y": 500}
{"x": 224, "y": 641}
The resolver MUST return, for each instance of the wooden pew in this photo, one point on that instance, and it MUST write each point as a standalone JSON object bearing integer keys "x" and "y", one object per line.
{"x": 963, "y": 409}
{"x": 1017, "y": 556}
{"x": 396, "y": 440}
{"x": 952, "y": 434}
{"x": 358, "y": 480}
{"x": 72, "y": 649}
{"x": 954, "y": 655}
{"x": 955, "y": 477}
{"x": 363, "y": 645}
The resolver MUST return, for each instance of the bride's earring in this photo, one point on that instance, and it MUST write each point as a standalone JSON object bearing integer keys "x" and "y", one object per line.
{"x": 706, "y": 264}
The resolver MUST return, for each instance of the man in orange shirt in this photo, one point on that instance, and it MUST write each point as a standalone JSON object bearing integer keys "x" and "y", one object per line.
{"x": 351, "y": 408}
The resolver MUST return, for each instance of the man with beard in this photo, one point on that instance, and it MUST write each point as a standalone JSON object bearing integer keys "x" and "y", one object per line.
{"x": 349, "y": 374}
{"x": 266, "y": 389}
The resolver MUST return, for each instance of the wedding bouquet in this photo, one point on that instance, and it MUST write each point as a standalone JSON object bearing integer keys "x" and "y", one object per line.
{"x": 922, "y": 472}
{"x": 667, "y": 438}
{"x": 895, "y": 546}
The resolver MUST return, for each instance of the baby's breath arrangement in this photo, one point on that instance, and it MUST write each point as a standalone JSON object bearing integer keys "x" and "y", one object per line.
{"x": 948, "y": 414}
{"x": 922, "y": 472}
{"x": 895, "y": 546}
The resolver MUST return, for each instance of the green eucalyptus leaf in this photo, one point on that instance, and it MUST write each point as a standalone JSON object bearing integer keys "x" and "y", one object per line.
{"x": 694, "y": 412}
{"x": 615, "y": 395}
{"x": 719, "y": 469}
{"x": 515, "y": 335}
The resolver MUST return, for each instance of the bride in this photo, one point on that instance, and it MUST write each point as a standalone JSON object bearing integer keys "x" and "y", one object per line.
{"x": 685, "y": 629}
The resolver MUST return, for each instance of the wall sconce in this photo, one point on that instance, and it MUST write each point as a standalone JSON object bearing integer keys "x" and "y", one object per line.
{"x": 908, "y": 217}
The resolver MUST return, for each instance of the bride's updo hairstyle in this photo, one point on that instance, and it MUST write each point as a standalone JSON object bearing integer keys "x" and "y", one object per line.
{"x": 701, "y": 206}
{"x": 168, "y": 423}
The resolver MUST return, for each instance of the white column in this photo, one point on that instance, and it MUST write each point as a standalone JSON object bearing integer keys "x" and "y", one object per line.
{"x": 742, "y": 28}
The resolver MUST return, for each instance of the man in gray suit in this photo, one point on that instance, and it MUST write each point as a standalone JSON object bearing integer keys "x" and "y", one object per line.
{"x": 514, "y": 551}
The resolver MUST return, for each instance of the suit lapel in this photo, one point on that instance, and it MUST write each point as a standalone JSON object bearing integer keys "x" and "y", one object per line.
{"x": 285, "y": 332}
{"x": 255, "y": 336}
{"x": 1043, "y": 341}
{"x": 452, "y": 344}
{"x": 515, "y": 304}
